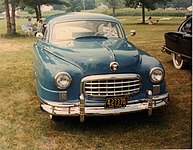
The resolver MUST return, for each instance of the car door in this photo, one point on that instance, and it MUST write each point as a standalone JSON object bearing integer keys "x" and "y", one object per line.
{"x": 185, "y": 41}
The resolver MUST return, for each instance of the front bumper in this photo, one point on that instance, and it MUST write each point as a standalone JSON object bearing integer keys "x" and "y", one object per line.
{"x": 81, "y": 109}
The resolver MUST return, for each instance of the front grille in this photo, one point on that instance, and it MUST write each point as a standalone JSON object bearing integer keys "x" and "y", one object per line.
{"x": 111, "y": 85}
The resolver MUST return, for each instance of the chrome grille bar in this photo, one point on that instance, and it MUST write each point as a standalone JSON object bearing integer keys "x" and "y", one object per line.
{"x": 97, "y": 87}
{"x": 124, "y": 82}
{"x": 111, "y": 85}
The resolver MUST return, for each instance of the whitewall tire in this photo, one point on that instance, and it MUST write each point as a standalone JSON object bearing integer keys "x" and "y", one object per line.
{"x": 177, "y": 61}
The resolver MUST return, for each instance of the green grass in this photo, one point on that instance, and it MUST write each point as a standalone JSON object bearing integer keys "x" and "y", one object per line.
{"x": 24, "y": 126}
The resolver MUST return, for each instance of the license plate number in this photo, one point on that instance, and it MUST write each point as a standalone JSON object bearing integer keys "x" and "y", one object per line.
{"x": 116, "y": 102}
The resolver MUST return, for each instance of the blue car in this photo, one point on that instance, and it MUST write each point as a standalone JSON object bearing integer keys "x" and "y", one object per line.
{"x": 84, "y": 65}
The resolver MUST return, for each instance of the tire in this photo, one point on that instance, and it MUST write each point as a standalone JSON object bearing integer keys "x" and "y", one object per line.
{"x": 177, "y": 61}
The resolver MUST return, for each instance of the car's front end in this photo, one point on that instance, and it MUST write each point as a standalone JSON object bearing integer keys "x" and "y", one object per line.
{"x": 109, "y": 94}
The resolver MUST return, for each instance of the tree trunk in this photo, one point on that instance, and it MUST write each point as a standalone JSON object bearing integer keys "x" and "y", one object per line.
{"x": 8, "y": 17}
{"x": 40, "y": 13}
{"x": 37, "y": 13}
{"x": 13, "y": 25}
{"x": 114, "y": 11}
{"x": 143, "y": 12}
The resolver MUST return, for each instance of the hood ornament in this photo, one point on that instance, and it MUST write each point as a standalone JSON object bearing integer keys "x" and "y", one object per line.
{"x": 114, "y": 66}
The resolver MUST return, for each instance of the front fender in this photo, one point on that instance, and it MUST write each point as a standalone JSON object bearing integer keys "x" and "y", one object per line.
{"x": 46, "y": 66}
{"x": 147, "y": 63}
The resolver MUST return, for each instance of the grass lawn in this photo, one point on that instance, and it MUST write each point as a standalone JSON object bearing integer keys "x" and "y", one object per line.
{"x": 24, "y": 126}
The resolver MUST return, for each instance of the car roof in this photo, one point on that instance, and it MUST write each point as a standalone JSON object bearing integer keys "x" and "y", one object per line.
{"x": 78, "y": 16}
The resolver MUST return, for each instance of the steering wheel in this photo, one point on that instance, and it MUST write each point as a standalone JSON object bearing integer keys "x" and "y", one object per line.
{"x": 96, "y": 33}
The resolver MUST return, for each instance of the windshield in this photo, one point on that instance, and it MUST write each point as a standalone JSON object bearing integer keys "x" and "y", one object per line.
{"x": 85, "y": 29}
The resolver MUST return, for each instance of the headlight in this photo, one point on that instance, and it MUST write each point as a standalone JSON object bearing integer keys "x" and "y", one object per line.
{"x": 156, "y": 74}
{"x": 63, "y": 80}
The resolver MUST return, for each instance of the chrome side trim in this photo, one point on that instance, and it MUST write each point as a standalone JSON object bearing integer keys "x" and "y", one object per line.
{"x": 109, "y": 76}
{"x": 164, "y": 48}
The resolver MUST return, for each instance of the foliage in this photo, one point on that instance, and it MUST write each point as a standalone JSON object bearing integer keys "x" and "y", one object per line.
{"x": 36, "y": 5}
{"x": 29, "y": 10}
{"x": 148, "y": 4}
{"x": 58, "y": 7}
{"x": 2, "y": 8}
{"x": 75, "y": 6}
{"x": 89, "y": 4}
{"x": 165, "y": 3}
{"x": 114, "y": 4}
{"x": 78, "y": 5}
{"x": 182, "y": 3}
{"x": 33, "y": 3}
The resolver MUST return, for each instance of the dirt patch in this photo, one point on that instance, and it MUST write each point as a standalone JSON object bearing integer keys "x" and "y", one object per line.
{"x": 8, "y": 47}
{"x": 14, "y": 45}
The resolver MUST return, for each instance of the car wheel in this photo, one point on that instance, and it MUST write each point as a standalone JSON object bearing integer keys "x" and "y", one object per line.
{"x": 177, "y": 61}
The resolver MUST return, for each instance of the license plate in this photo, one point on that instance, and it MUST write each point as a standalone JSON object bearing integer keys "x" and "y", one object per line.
{"x": 116, "y": 102}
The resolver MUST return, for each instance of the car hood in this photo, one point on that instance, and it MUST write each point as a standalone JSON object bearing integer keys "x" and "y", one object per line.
{"x": 96, "y": 55}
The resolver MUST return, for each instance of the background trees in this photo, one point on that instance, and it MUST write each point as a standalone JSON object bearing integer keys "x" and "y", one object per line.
{"x": 114, "y": 4}
{"x": 75, "y": 5}
{"x": 148, "y": 4}
{"x": 32, "y": 6}
{"x": 36, "y": 4}
{"x": 78, "y": 5}
{"x": 10, "y": 16}
{"x": 181, "y": 3}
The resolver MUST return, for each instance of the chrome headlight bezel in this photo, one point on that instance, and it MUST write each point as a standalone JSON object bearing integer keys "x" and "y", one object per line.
{"x": 62, "y": 76}
{"x": 156, "y": 74}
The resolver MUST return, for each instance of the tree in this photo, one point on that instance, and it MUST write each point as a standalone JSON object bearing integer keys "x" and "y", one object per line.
{"x": 75, "y": 5}
{"x": 78, "y": 5}
{"x": 2, "y": 6}
{"x": 89, "y": 4}
{"x": 8, "y": 18}
{"x": 10, "y": 14}
{"x": 114, "y": 4}
{"x": 180, "y": 3}
{"x": 148, "y": 4}
{"x": 13, "y": 24}
{"x": 36, "y": 4}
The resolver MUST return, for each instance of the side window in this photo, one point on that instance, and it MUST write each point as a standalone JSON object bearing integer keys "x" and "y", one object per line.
{"x": 119, "y": 31}
{"x": 109, "y": 30}
{"x": 187, "y": 27}
{"x": 45, "y": 33}
{"x": 43, "y": 28}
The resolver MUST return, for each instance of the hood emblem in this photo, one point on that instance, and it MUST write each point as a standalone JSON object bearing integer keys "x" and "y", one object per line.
{"x": 114, "y": 66}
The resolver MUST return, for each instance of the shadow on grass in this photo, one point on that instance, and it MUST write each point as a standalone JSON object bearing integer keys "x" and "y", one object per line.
{"x": 160, "y": 24}
{"x": 120, "y": 123}
{"x": 188, "y": 66}
{"x": 161, "y": 119}
{"x": 15, "y": 35}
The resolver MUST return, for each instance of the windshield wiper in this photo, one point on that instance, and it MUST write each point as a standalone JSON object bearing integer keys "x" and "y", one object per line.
{"x": 91, "y": 37}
